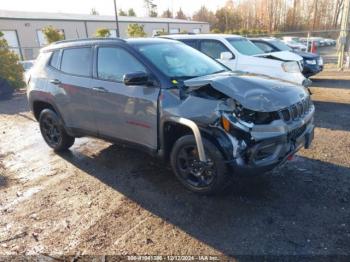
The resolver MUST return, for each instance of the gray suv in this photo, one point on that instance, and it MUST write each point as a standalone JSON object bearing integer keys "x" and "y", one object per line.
{"x": 172, "y": 101}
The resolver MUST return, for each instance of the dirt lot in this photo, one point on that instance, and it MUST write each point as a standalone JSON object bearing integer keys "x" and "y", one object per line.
{"x": 100, "y": 198}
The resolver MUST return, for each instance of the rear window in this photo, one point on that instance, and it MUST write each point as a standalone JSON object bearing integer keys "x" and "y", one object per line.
{"x": 76, "y": 61}
{"x": 54, "y": 59}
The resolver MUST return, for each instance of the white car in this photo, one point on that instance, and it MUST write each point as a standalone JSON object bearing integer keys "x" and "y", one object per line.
{"x": 294, "y": 43}
{"x": 240, "y": 54}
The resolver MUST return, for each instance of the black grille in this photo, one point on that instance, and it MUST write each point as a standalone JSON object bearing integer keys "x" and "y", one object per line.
{"x": 296, "y": 111}
{"x": 294, "y": 134}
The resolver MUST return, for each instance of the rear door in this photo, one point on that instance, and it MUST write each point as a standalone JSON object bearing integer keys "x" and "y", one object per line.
{"x": 69, "y": 74}
{"x": 123, "y": 112}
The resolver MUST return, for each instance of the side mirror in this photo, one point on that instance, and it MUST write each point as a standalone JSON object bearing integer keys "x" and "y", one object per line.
{"x": 136, "y": 79}
{"x": 226, "y": 56}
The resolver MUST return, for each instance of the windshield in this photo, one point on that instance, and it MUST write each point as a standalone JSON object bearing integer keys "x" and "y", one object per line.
{"x": 177, "y": 60}
{"x": 244, "y": 46}
{"x": 280, "y": 45}
{"x": 292, "y": 42}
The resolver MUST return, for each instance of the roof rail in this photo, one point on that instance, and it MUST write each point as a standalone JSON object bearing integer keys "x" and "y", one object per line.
{"x": 88, "y": 39}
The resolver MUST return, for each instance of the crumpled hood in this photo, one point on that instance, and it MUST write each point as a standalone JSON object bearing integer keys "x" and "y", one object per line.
{"x": 253, "y": 92}
{"x": 282, "y": 55}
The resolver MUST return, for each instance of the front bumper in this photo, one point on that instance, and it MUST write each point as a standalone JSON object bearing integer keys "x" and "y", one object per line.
{"x": 310, "y": 70}
{"x": 273, "y": 147}
{"x": 271, "y": 153}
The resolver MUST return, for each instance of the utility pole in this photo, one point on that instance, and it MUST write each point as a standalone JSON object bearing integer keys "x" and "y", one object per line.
{"x": 343, "y": 36}
{"x": 116, "y": 17}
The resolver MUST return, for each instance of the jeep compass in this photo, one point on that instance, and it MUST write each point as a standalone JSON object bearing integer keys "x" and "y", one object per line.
{"x": 173, "y": 101}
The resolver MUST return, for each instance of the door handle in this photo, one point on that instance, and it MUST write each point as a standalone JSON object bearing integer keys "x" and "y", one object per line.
{"x": 100, "y": 89}
{"x": 55, "y": 81}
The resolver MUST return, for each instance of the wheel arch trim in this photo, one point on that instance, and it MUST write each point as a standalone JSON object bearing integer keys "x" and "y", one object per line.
{"x": 196, "y": 132}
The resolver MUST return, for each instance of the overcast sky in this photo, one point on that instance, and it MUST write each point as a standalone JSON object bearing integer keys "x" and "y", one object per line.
{"x": 105, "y": 7}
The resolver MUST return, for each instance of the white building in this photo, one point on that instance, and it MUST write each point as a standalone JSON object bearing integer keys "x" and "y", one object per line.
{"x": 23, "y": 30}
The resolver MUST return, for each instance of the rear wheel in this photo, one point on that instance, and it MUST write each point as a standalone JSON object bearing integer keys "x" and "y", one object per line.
{"x": 53, "y": 132}
{"x": 205, "y": 178}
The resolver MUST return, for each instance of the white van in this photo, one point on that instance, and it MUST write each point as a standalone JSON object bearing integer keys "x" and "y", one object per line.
{"x": 240, "y": 54}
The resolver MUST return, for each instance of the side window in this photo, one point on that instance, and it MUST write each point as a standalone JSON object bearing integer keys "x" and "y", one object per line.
{"x": 114, "y": 62}
{"x": 213, "y": 48}
{"x": 191, "y": 43}
{"x": 54, "y": 59}
{"x": 265, "y": 47}
{"x": 76, "y": 61}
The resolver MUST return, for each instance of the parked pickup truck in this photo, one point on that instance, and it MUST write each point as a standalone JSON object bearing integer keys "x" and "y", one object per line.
{"x": 172, "y": 101}
{"x": 240, "y": 54}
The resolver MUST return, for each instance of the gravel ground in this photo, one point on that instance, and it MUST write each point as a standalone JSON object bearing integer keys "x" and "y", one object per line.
{"x": 101, "y": 198}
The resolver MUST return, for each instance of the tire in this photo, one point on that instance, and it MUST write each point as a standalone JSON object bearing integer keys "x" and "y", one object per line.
{"x": 216, "y": 178}
{"x": 53, "y": 131}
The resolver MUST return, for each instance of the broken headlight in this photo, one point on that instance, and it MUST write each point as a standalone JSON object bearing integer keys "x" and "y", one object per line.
{"x": 258, "y": 118}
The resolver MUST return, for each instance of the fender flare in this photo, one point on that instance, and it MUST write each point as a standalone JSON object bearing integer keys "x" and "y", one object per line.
{"x": 196, "y": 132}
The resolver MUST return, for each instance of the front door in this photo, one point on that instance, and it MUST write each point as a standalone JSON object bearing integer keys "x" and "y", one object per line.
{"x": 214, "y": 48}
{"x": 123, "y": 112}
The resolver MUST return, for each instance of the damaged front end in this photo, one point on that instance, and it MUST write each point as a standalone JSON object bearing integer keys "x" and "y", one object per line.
{"x": 257, "y": 124}
{"x": 262, "y": 141}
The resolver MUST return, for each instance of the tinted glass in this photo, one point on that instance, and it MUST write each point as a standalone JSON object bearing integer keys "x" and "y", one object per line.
{"x": 76, "y": 61}
{"x": 114, "y": 62}
{"x": 244, "y": 46}
{"x": 177, "y": 60}
{"x": 191, "y": 43}
{"x": 265, "y": 47}
{"x": 280, "y": 45}
{"x": 54, "y": 59}
{"x": 213, "y": 48}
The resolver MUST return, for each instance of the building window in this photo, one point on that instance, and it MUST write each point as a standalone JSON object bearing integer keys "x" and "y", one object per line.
{"x": 196, "y": 30}
{"x": 42, "y": 39}
{"x": 174, "y": 31}
{"x": 12, "y": 40}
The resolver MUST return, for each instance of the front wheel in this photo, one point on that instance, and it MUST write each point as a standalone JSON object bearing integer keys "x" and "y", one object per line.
{"x": 53, "y": 132}
{"x": 205, "y": 178}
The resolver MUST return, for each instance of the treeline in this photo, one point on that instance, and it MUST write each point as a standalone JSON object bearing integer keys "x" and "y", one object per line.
{"x": 273, "y": 15}
{"x": 258, "y": 16}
